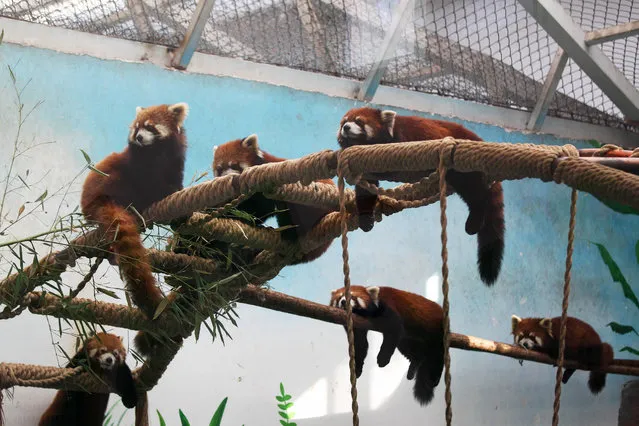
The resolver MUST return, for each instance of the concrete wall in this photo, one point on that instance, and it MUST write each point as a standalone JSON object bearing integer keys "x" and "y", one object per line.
{"x": 88, "y": 104}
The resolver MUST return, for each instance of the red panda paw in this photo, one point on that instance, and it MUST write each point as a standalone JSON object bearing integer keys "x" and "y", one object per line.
{"x": 475, "y": 221}
{"x": 366, "y": 221}
{"x": 383, "y": 359}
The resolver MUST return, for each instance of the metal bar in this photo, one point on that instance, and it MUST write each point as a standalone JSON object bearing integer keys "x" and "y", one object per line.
{"x": 558, "y": 23}
{"x": 612, "y": 33}
{"x": 538, "y": 114}
{"x": 184, "y": 53}
{"x": 401, "y": 15}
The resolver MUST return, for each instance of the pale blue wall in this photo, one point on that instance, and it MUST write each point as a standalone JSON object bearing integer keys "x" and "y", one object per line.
{"x": 88, "y": 104}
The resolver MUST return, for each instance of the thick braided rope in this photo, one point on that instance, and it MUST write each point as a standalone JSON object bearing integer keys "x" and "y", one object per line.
{"x": 347, "y": 287}
{"x": 36, "y": 376}
{"x": 564, "y": 307}
{"x": 635, "y": 153}
{"x": 446, "y": 150}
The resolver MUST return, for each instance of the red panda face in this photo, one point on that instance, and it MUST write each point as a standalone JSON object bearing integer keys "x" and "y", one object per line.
{"x": 531, "y": 333}
{"x": 362, "y": 298}
{"x": 236, "y": 156}
{"x": 361, "y": 126}
{"x": 155, "y": 123}
{"x": 106, "y": 351}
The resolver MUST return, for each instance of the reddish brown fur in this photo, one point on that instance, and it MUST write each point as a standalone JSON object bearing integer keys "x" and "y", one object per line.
{"x": 411, "y": 323}
{"x": 239, "y": 154}
{"x": 77, "y": 408}
{"x": 484, "y": 199}
{"x": 138, "y": 176}
{"x": 583, "y": 344}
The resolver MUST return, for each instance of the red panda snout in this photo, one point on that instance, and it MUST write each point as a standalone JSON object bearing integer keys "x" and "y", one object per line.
{"x": 353, "y": 133}
{"x": 529, "y": 341}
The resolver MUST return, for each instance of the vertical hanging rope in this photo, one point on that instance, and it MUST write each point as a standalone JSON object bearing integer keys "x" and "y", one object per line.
{"x": 564, "y": 307}
{"x": 443, "y": 220}
{"x": 347, "y": 288}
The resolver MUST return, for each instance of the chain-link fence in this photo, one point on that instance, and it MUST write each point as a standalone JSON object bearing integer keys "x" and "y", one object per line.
{"x": 487, "y": 51}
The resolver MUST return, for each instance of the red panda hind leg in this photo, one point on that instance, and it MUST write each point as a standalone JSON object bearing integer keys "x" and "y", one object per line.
{"x": 365, "y": 202}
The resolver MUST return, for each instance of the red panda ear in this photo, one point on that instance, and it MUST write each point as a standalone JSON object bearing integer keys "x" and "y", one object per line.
{"x": 547, "y": 324}
{"x": 388, "y": 118}
{"x": 251, "y": 142}
{"x": 180, "y": 111}
{"x": 138, "y": 110}
{"x": 514, "y": 322}
{"x": 374, "y": 294}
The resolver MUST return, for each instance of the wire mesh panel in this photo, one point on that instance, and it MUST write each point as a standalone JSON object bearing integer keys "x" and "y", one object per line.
{"x": 487, "y": 51}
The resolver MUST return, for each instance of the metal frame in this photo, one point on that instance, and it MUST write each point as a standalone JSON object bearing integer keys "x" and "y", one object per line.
{"x": 184, "y": 53}
{"x": 572, "y": 39}
{"x": 401, "y": 15}
{"x": 538, "y": 114}
{"x": 612, "y": 33}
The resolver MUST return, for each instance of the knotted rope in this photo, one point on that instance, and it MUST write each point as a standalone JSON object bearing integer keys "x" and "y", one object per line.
{"x": 445, "y": 153}
{"x": 34, "y": 376}
{"x": 347, "y": 287}
{"x": 564, "y": 307}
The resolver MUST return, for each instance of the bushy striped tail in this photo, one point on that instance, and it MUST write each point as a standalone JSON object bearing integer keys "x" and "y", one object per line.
{"x": 121, "y": 229}
{"x": 490, "y": 238}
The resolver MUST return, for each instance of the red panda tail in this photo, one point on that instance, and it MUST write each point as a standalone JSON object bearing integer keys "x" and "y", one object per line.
{"x": 490, "y": 238}
{"x": 597, "y": 380}
{"x": 121, "y": 227}
{"x": 424, "y": 388}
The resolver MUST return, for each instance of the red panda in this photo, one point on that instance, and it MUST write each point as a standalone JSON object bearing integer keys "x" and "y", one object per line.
{"x": 105, "y": 355}
{"x": 582, "y": 344}
{"x": 485, "y": 201}
{"x": 149, "y": 169}
{"x": 236, "y": 156}
{"x": 410, "y": 323}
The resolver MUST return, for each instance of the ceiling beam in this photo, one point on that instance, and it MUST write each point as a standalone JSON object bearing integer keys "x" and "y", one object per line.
{"x": 401, "y": 16}
{"x": 571, "y": 38}
{"x": 184, "y": 53}
{"x": 612, "y": 33}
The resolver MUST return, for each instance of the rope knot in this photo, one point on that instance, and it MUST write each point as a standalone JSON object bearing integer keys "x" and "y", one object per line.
{"x": 568, "y": 150}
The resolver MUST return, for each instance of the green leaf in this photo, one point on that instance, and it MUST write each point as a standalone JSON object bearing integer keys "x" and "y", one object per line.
{"x": 282, "y": 389}
{"x": 42, "y": 197}
{"x": 287, "y": 397}
{"x": 13, "y": 76}
{"x": 86, "y": 156}
{"x": 284, "y": 423}
{"x": 162, "y": 422}
{"x": 594, "y": 143}
{"x": 637, "y": 251}
{"x": 618, "y": 207}
{"x": 285, "y": 406}
{"x": 280, "y": 399}
{"x": 183, "y": 419}
{"x": 292, "y": 424}
{"x": 217, "y": 417}
{"x": 161, "y": 307}
{"x": 91, "y": 167}
{"x": 616, "y": 274}
{"x": 107, "y": 292}
{"x": 284, "y": 415}
{"x": 629, "y": 349}
{"x": 622, "y": 329}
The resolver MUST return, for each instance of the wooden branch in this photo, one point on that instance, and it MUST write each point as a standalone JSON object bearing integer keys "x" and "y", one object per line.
{"x": 284, "y": 303}
{"x": 593, "y": 152}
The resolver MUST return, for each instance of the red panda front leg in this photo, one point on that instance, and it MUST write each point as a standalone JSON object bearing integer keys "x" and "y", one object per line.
{"x": 361, "y": 349}
{"x": 392, "y": 328}
{"x": 365, "y": 202}
{"x": 472, "y": 189}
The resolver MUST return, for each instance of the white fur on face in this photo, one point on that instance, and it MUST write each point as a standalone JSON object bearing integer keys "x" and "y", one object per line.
{"x": 107, "y": 361}
{"x": 341, "y": 302}
{"x": 228, "y": 169}
{"x": 529, "y": 342}
{"x": 143, "y": 137}
{"x": 351, "y": 129}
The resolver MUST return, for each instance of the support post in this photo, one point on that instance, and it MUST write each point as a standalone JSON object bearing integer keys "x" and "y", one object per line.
{"x": 184, "y": 53}
{"x": 401, "y": 16}
{"x": 538, "y": 114}
{"x": 571, "y": 38}
{"x": 612, "y": 33}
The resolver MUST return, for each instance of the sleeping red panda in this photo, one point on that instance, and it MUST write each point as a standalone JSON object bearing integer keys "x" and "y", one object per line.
{"x": 105, "y": 355}
{"x": 582, "y": 344}
{"x": 236, "y": 156}
{"x": 410, "y": 323}
{"x": 485, "y": 201}
{"x": 149, "y": 169}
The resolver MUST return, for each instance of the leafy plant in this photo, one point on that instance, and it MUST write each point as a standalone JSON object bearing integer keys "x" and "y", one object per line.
{"x": 618, "y": 276}
{"x": 284, "y": 406}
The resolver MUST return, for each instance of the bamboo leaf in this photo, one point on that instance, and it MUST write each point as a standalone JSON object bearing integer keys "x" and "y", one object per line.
{"x": 161, "y": 306}
{"x": 183, "y": 419}
{"x": 162, "y": 422}
{"x": 282, "y": 389}
{"x": 629, "y": 349}
{"x": 21, "y": 210}
{"x": 280, "y": 399}
{"x": 91, "y": 167}
{"x": 42, "y": 197}
{"x": 621, "y": 328}
{"x": 86, "y": 156}
{"x": 13, "y": 76}
{"x": 284, "y": 423}
{"x": 283, "y": 415}
{"x": 107, "y": 292}
{"x": 217, "y": 417}
{"x": 285, "y": 406}
{"x": 616, "y": 274}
